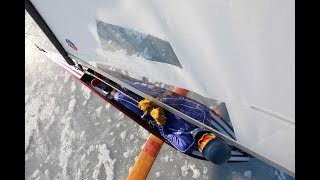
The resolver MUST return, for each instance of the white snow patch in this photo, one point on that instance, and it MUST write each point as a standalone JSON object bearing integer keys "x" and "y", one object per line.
{"x": 47, "y": 173}
{"x": 98, "y": 111}
{"x": 67, "y": 137}
{"x": 84, "y": 102}
{"x": 123, "y": 135}
{"x": 248, "y": 174}
{"x": 47, "y": 109}
{"x": 81, "y": 167}
{"x": 280, "y": 175}
{"x": 56, "y": 110}
{"x": 32, "y": 108}
{"x": 66, "y": 77}
{"x": 143, "y": 133}
{"x": 86, "y": 92}
{"x": 82, "y": 135}
{"x": 78, "y": 175}
{"x": 26, "y": 97}
{"x": 108, "y": 105}
{"x": 46, "y": 115}
{"x": 91, "y": 148}
{"x": 166, "y": 158}
{"x": 51, "y": 156}
{"x": 184, "y": 170}
{"x": 118, "y": 125}
{"x": 41, "y": 148}
{"x": 158, "y": 174}
{"x": 111, "y": 134}
{"x": 131, "y": 137}
{"x": 30, "y": 127}
{"x": 60, "y": 90}
{"x": 73, "y": 86}
{"x": 28, "y": 155}
{"x": 120, "y": 115}
{"x": 205, "y": 170}
{"x": 128, "y": 153}
{"x": 196, "y": 172}
{"x": 38, "y": 175}
{"x": 104, "y": 159}
{"x": 31, "y": 122}
{"x": 109, "y": 120}
{"x": 51, "y": 90}
{"x": 71, "y": 106}
{"x": 83, "y": 157}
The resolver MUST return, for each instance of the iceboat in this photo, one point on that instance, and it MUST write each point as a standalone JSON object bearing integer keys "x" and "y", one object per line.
{"x": 85, "y": 75}
{"x": 240, "y": 53}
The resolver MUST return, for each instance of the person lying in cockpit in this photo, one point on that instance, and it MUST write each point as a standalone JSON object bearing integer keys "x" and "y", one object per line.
{"x": 183, "y": 135}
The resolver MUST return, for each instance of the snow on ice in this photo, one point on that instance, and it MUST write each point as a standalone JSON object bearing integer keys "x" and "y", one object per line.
{"x": 98, "y": 111}
{"x": 86, "y": 92}
{"x": 66, "y": 77}
{"x": 108, "y": 105}
{"x": 120, "y": 115}
{"x": 73, "y": 86}
{"x": 184, "y": 170}
{"x": 123, "y": 135}
{"x": 106, "y": 161}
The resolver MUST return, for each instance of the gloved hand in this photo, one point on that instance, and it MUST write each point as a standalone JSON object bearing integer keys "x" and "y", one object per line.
{"x": 158, "y": 115}
{"x": 146, "y": 106}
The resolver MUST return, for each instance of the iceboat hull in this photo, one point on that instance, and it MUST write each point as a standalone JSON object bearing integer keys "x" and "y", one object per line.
{"x": 85, "y": 79}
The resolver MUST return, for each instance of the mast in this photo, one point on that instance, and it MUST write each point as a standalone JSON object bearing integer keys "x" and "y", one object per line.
{"x": 46, "y": 29}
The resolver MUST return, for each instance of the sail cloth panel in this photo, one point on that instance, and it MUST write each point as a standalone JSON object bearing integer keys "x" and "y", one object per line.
{"x": 239, "y": 52}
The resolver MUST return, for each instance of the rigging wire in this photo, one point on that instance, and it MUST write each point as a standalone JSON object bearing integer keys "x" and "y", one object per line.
{"x": 79, "y": 67}
{"x": 27, "y": 36}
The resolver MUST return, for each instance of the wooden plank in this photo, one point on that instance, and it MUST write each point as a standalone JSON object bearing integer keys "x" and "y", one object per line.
{"x": 146, "y": 158}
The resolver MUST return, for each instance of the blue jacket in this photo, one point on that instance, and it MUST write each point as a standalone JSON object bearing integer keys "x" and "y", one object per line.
{"x": 177, "y": 131}
{"x": 183, "y": 104}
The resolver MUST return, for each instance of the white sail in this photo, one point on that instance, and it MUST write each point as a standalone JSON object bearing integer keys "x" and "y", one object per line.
{"x": 239, "y": 52}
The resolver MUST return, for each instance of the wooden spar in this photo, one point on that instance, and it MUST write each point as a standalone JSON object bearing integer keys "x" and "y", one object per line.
{"x": 180, "y": 91}
{"x": 146, "y": 158}
{"x": 149, "y": 152}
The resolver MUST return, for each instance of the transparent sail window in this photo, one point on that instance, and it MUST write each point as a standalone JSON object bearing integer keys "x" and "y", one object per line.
{"x": 133, "y": 43}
